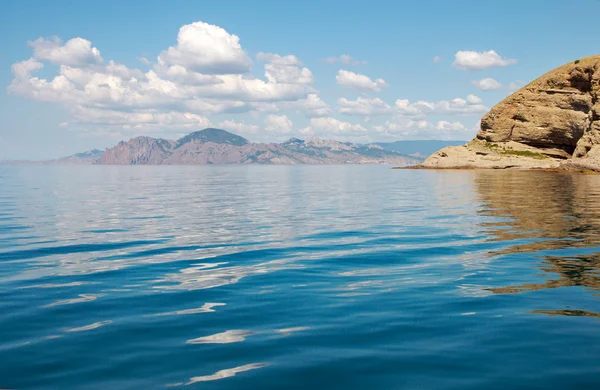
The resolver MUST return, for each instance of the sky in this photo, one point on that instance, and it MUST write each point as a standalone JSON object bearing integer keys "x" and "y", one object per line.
{"x": 79, "y": 75}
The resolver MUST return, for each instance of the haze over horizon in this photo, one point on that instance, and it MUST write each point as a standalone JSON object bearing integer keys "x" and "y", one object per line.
{"x": 83, "y": 76}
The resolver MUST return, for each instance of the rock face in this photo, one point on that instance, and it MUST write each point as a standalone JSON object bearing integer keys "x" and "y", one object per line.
{"x": 215, "y": 146}
{"x": 553, "y": 122}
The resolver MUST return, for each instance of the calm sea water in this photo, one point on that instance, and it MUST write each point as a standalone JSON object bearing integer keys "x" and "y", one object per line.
{"x": 298, "y": 277}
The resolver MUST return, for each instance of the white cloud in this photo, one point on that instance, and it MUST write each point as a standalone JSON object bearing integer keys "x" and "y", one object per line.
{"x": 472, "y": 60}
{"x": 23, "y": 69}
{"x": 359, "y": 82}
{"x": 208, "y": 49}
{"x": 344, "y": 59}
{"x": 207, "y": 73}
{"x": 182, "y": 75}
{"x": 75, "y": 52}
{"x": 422, "y": 129}
{"x": 311, "y": 106}
{"x": 278, "y": 123}
{"x": 450, "y": 126}
{"x": 193, "y": 78}
{"x": 143, "y": 119}
{"x": 332, "y": 127}
{"x": 363, "y": 106}
{"x": 404, "y": 107}
{"x": 436, "y": 59}
{"x": 471, "y": 106}
{"x": 278, "y": 59}
{"x": 63, "y": 124}
{"x": 237, "y": 86}
{"x": 487, "y": 84}
{"x": 473, "y": 99}
{"x": 144, "y": 61}
{"x": 213, "y": 106}
{"x": 285, "y": 69}
{"x": 238, "y": 127}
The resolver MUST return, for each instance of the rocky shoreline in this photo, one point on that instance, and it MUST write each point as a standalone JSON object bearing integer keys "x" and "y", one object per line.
{"x": 553, "y": 123}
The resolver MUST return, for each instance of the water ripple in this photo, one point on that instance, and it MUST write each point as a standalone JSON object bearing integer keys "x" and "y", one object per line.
{"x": 226, "y": 373}
{"x": 348, "y": 277}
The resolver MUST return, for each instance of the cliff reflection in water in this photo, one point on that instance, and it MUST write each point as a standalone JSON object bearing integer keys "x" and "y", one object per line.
{"x": 547, "y": 212}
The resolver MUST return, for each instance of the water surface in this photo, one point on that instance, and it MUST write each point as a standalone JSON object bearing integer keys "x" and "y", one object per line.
{"x": 296, "y": 277}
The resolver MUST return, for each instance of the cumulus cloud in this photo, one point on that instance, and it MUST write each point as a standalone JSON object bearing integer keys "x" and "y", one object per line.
{"x": 206, "y": 73}
{"x": 472, "y": 105}
{"x": 423, "y": 129}
{"x": 363, "y": 106}
{"x": 278, "y": 124}
{"x": 472, "y": 60}
{"x": 148, "y": 120}
{"x": 474, "y": 100}
{"x": 23, "y": 69}
{"x": 181, "y": 75}
{"x": 487, "y": 84}
{"x": 359, "y": 82}
{"x": 278, "y": 59}
{"x": 404, "y": 107}
{"x": 450, "y": 126}
{"x": 311, "y": 106}
{"x": 331, "y": 126}
{"x": 238, "y": 127}
{"x": 144, "y": 61}
{"x": 208, "y": 49}
{"x": 75, "y": 52}
{"x": 285, "y": 69}
{"x": 214, "y": 106}
{"x": 344, "y": 59}
{"x": 436, "y": 59}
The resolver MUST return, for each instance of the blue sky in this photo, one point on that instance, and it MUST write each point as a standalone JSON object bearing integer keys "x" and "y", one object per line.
{"x": 270, "y": 70}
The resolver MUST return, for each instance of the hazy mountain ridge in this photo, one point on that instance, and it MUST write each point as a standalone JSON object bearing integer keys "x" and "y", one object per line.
{"x": 215, "y": 146}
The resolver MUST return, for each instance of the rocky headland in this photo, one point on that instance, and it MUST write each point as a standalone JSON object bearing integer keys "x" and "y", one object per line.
{"x": 551, "y": 123}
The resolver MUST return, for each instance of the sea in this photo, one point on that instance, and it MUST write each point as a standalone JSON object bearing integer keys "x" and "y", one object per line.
{"x": 298, "y": 277}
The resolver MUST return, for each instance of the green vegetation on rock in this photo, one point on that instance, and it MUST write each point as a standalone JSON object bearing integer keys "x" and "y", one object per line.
{"x": 524, "y": 153}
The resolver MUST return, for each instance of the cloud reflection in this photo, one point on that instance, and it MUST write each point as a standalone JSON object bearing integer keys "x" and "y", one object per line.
{"x": 230, "y": 336}
{"x": 206, "y": 308}
{"x": 289, "y": 331}
{"x": 95, "y": 325}
{"x": 82, "y": 298}
{"x": 58, "y": 285}
{"x": 226, "y": 373}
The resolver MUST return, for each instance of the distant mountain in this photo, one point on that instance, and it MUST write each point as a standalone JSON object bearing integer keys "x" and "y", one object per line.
{"x": 88, "y": 157}
{"x": 85, "y": 158}
{"x": 215, "y": 146}
{"x": 216, "y": 136}
{"x": 419, "y": 149}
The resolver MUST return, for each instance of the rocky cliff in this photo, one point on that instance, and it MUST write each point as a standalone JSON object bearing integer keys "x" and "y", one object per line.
{"x": 553, "y": 122}
{"x": 215, "y": 146}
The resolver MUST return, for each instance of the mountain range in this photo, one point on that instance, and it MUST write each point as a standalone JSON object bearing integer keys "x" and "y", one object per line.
{"x": 216, "y": 146}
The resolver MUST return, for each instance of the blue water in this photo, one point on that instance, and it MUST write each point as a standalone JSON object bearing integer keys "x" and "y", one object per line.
{"x": 298, "y": 277}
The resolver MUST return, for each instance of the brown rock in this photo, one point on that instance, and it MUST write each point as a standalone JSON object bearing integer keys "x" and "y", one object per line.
{"x": 552, "y": 122}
